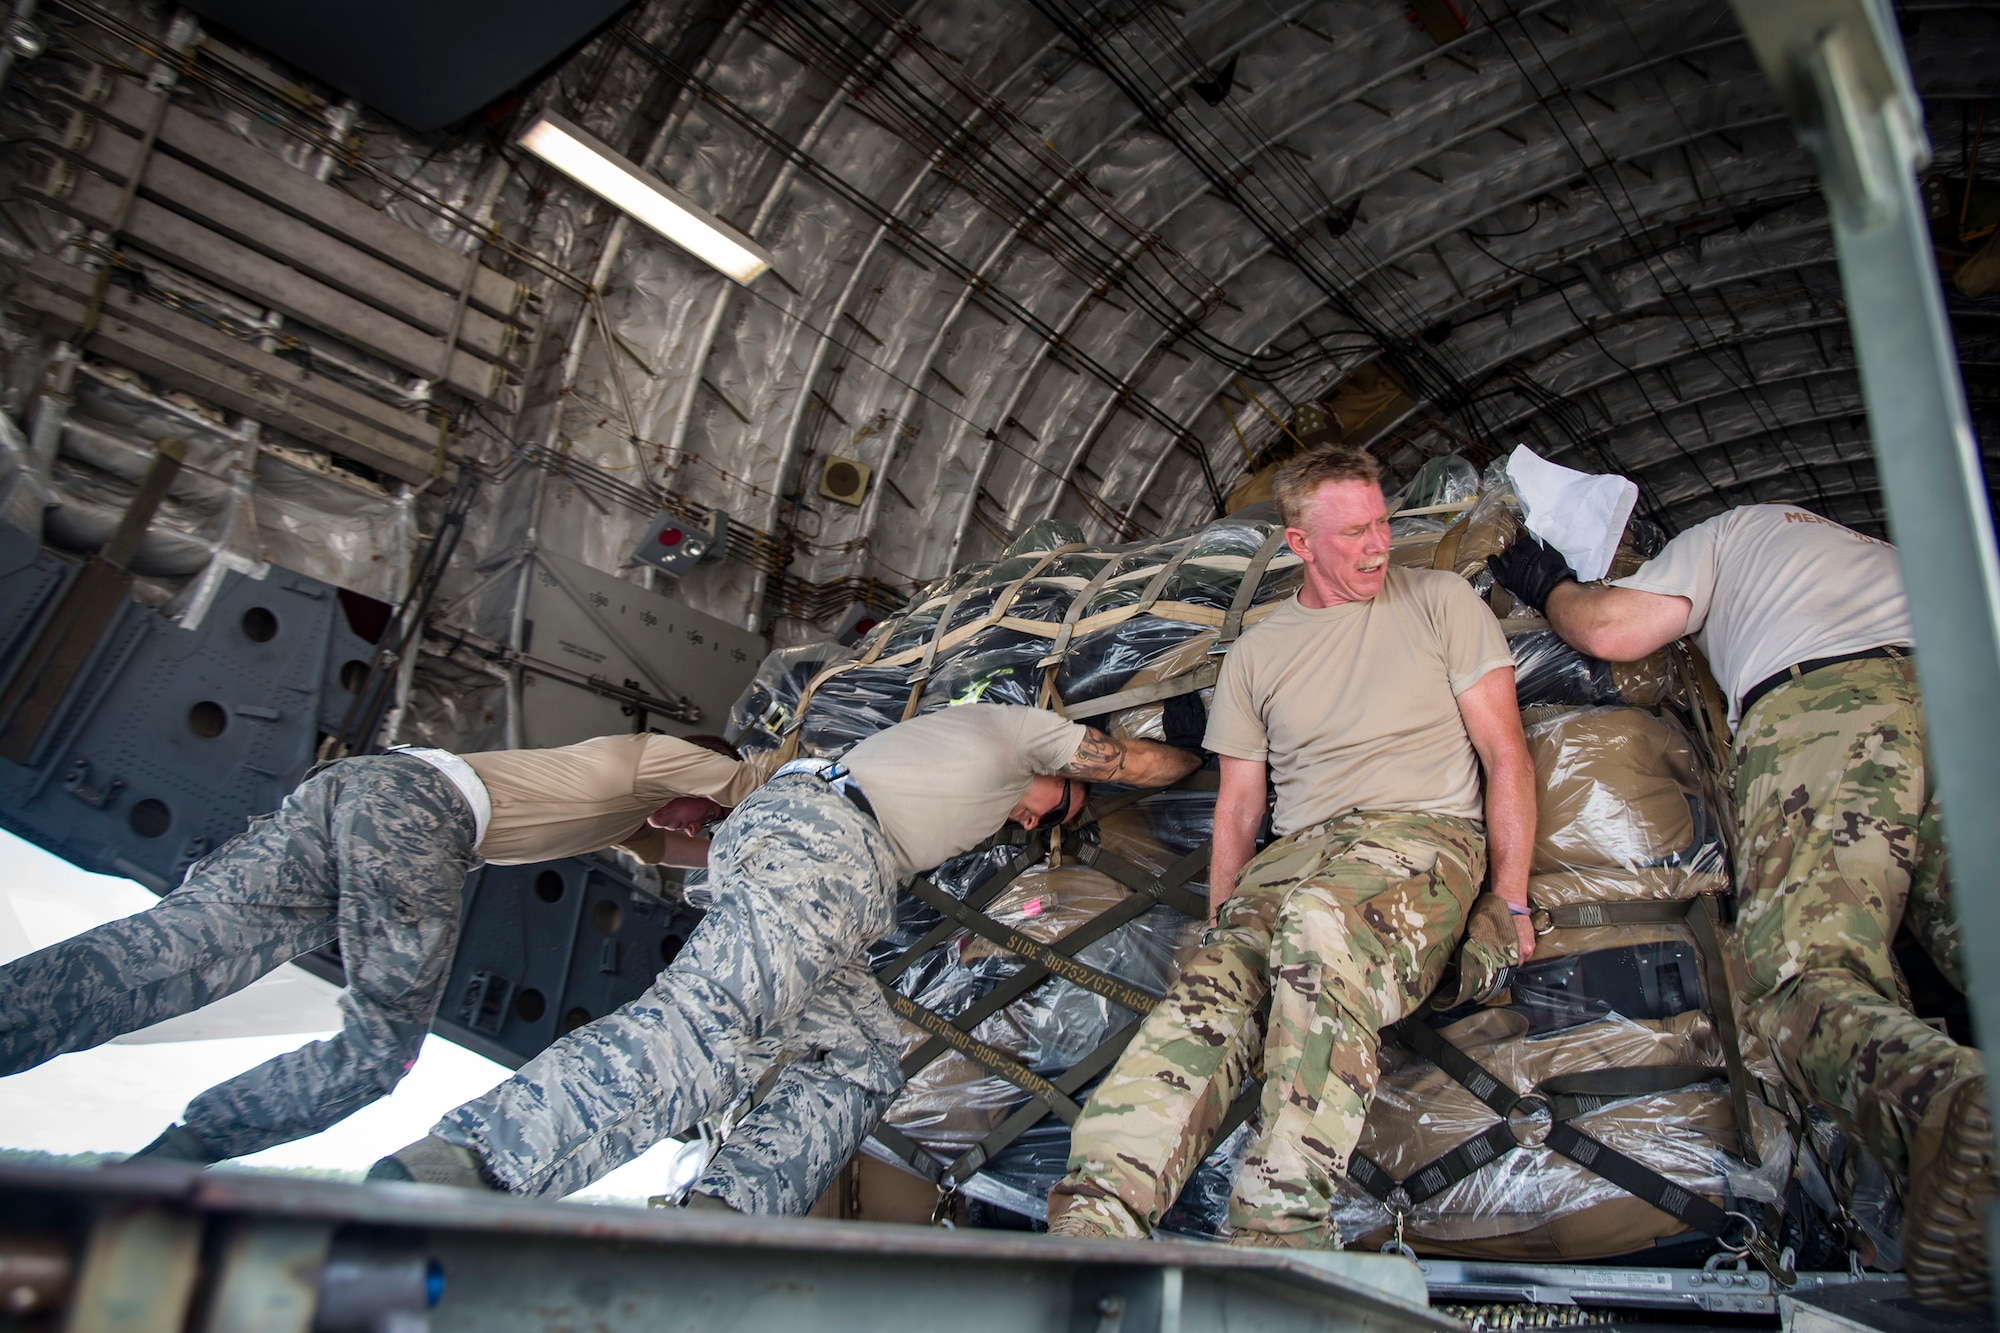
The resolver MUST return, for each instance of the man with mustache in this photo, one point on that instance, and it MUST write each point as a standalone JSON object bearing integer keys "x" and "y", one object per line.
{"x": 1372, "y": 701}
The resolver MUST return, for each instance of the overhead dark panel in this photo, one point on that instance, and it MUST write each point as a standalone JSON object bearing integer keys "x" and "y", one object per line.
{"x": 425, "y": 63}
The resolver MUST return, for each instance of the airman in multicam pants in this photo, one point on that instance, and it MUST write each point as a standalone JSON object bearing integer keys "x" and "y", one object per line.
{"x": 1840, "y": 845}
{"x": 1808, "y": 626}
{"x": 371, "y": 853}
{"x": 1332, "y": 934}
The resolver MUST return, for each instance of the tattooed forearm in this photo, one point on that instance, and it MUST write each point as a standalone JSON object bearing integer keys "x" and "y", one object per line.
{"x": 1098, "y": 759}
{"x": 1134, "y": 763}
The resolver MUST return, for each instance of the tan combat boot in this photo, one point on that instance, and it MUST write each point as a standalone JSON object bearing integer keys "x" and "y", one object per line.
{"x": 1089, "y": 1217}
{"x": 1944, "y": 1216}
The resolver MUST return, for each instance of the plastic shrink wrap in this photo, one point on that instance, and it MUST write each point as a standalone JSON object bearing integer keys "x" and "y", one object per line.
{"x": 951, "y": 1104}
{"x": 1106, "y": 634}
{"x": 1619, "y": 789}
{"x": 1531, "y": 1202}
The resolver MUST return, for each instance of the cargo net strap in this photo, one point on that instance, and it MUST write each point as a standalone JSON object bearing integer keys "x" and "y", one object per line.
{"x": 1228, "y": 622}
{"x": 1709, "y": 711}
{"x": 1568, "y": 1097}
{"x": 1561, "y": 1100}
{"x": 1042, "y": 962}
{"x": 1702, "y": 915}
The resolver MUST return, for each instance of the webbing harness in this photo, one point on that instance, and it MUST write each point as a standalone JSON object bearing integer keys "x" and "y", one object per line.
{"x": 1702, "y": 915}
{"x": 1042, "y": 961}
{"x": 1569, "y": 1097}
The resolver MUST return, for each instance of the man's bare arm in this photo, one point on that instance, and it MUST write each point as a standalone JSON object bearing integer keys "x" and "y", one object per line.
{"x": 660, "y": 848}
{"x": 1616, "y": 624}
{"x": 683, "y": 852}
{"x": 1493, "y": 724}
{"x": 1134, "y": 763}
{"x": 1239, "y": 813}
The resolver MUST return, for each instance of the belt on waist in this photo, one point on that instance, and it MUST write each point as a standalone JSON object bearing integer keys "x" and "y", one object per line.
{"x": 837, "y": 777}
{"x": 1806, "y": 668}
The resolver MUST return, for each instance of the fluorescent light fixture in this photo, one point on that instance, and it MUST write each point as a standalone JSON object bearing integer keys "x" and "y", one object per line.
{"x": 591, "y": 163}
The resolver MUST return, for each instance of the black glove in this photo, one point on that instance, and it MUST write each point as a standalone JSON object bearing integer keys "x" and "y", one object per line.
{"x": 1183, "y": 722}
{"x": 1530, "y": 570}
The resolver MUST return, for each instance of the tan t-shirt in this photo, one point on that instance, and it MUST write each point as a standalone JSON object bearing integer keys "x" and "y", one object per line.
{"x": 596, "y": 794}
{"x": 945, "y": 782}
{"x": 1776, "y": 584}
{"x": 1355, "y": 707}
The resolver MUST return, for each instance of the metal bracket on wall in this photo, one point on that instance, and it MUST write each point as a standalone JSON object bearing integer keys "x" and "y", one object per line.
{"x": 87, "y": 610}
{"x": 1839, "y": 68}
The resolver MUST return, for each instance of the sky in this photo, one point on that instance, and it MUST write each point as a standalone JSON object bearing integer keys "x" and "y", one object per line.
{"x": 117, "y": 1097}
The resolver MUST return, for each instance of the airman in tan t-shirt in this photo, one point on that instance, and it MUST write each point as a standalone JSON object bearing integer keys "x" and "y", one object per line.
{"x": 1355, "y": 706}
{"x": 1373, "y": 701}
{"x": 548, "y": 804}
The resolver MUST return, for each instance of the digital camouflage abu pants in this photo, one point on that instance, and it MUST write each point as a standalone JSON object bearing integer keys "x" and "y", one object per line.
{"x": 1840, "y": 844}
{"x": 370, "y": 852}
{"x": 1332, "y": 934}
{"x": 802, "y": 883}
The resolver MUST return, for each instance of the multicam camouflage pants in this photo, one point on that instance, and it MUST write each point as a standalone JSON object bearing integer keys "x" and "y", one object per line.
{"x": 1839, "y": 844}
{"x": 1343, "y": 929}
{"x": 802, "y": 883}
{"x": 371, "y": 852}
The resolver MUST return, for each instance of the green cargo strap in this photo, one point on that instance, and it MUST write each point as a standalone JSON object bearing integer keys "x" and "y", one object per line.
{"x": 1468, "y": 1073}
{"x": 1135, "y": 998}
{"x": 911, "y": 1153}
{"x": 1582, "y": 916}
{"x": 1704, "y": 920}
{"x": 1076, "y": 609}
{"x": 1097, "y": 810}
{"x": 1567, "y": 1097}
{"x": 945, "y": 614}
{"x": 1246, "y": 591}
{"x": 1588, "y": 1091}
{"x": 1169, "y": 888}
{"x": 994, "y": 1061}
{"x": 1239, "y": 1111}
{"x": 1633, "y": 1177}
{"x": 1031, "y": 1112}
{"x": 1158, "y": 583}
{"x": 1198, "y": 679}
{"x": 989, "y": 888}
{"x": 1004, "y": 601}
{"x": 1701, "y": 915}
{"x": 1014, "y": 987}
{"x": 1434, "y": 1177}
